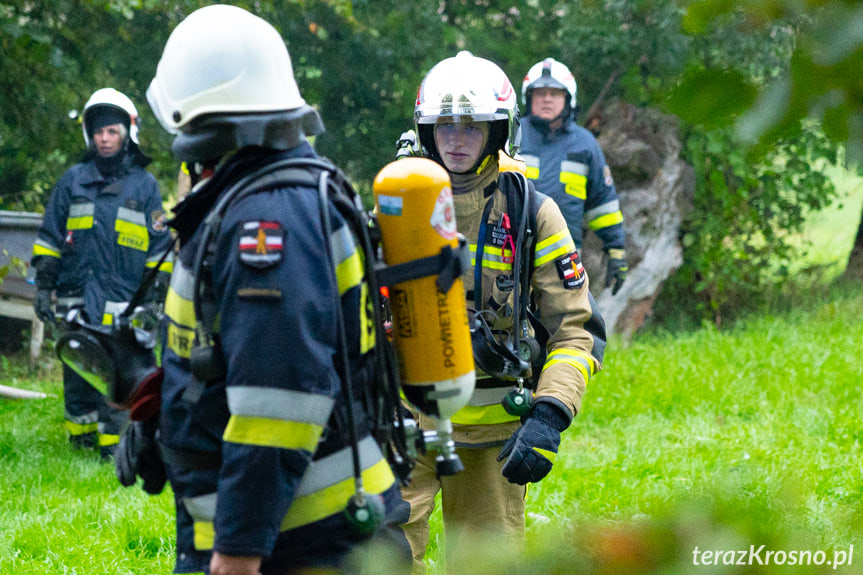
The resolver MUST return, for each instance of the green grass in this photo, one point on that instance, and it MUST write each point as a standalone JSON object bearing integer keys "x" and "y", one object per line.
{"x": 62, "y": 511}
{"x": 715, "y": 440}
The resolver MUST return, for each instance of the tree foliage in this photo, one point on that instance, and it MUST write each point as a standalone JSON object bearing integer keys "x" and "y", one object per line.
{"x": 742, "y": 76}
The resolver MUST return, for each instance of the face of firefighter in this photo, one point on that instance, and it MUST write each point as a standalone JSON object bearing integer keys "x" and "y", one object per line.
{"x": 460, "y": 144}
{"x": 547, "y": 103}
{"x": 109, "y": 139}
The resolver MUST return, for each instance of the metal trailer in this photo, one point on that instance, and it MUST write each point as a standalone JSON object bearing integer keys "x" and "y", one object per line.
{"x": 18, "y": 231}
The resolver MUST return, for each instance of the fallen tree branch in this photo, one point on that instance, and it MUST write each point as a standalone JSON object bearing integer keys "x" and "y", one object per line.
{"x": 15, "y": 393}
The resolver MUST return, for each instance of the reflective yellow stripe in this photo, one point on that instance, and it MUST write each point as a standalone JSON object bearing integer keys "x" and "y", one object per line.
{"x": 81, "y": 216}
{"x": 41, "y": 248}
{"x": 167, "y": 266}
{"x": 574, "y": 184}
{"x": 106, "y": 439}
{"x": 532, "y": 164}
{"x": 553, "y": 247}
{"x": 180, "y": 340}
{"x": 573, "y": 357}
{"x": 266, "y": 432}
{"x": 482, "y": 415}
{"x": 179, "y": 309}
{"x": 205, "y": 535}
{"x": 367, "y": 320}
{"x": 83, "y": 223}
{"x": 80, "y": 428}
{"x": 132, "y": 235}
{"x": 349, "y": 273}
{"x": 320, "y": 504}
{"x": 606, "y": 221}
{"x": 181, "y": 316}
{"x": 492, "y": 258}
{"x": 324, "y": 490}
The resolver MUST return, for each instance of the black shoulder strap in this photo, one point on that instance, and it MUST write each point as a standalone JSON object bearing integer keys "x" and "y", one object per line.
{"x": 293, "y": 171}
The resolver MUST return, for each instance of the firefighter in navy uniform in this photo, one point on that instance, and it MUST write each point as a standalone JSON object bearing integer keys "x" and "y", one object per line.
{"x": 258, "y": 451}
{"x": 103, "y": 228}
{"x": 568, "y": 164}
{"x": 466, "y": 114}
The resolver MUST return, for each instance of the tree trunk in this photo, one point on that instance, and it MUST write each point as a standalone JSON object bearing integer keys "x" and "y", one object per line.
{"x": 656, "y": 189}
{"x": 854, "y": 270}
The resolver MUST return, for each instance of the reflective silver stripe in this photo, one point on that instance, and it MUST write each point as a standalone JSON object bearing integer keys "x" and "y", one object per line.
{"x": 82, "y": 210}
{"x": 156, "y": 257}
{"x": 337, "y": 467}
{"x": 183, "y": 282}
{"x": 115, "y": 307}
{"x": 606, "y": 208}
{"x": 133, "y": 216}
{"x": 342, "y": 244}
{"x": 565, "y": 241}
{"x": 280, "y": 404}
{"x": 69, "y": 302}
{"x": 319, "y": 475}
{"x": 483, "y": 397}
{"x": 574, "y": 167}
{"x": 493, "y": 255}
{"x": 202, "y": 507}
{"x": 530, "y": 161}
{"x": 91, "y": 417}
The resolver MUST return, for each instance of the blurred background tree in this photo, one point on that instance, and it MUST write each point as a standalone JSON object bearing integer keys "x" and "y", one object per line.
{"x": 768, "y": 91}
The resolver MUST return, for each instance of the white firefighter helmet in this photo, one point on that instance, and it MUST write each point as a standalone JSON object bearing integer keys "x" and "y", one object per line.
{"x": 549, "y": 74}
{"x": 222, "y": 60}
{"x": 111, "y": 99}
{"x": 466, "y": 88}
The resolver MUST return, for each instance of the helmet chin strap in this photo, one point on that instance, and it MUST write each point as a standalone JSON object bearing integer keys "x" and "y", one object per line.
{"x": 475, "y": 178}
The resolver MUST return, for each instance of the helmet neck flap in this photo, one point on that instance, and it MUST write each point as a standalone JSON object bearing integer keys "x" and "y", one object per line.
{"x": 211, "y": 137}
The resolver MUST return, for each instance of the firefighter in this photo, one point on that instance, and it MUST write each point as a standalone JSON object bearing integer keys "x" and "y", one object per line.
{"x": 466, "y": 114}
{"x": 104, "y": 227}
{"x": 568, "y": 164}
{"x": 255, "y": 425}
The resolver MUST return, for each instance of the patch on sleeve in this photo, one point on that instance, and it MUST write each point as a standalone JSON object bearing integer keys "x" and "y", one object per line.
{"x": 606, "y": 173}
{"x": 261, "y": 244}
{"x": 159, "y": 221}
{"x": 571, "y": 271}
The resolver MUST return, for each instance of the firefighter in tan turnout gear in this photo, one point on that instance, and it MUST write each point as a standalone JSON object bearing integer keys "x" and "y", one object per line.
{"x": 537, "y": 336}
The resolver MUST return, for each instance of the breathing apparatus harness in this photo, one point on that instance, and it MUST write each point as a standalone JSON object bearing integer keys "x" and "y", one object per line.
{"x": 513, "y": 355}
{"x": 364, "y": 511}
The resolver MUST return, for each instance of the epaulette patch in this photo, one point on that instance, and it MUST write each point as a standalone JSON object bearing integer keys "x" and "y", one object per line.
{"x": 261, "y": 243}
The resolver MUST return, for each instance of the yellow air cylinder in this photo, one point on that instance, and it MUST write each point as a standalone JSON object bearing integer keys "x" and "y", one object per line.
{"x": 416, "y": 215}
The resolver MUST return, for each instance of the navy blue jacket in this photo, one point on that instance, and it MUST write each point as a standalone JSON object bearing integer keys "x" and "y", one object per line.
{"x": 275, "y": 425}
{"x": 569, "y": 166}
{"x": 106, "y": 233}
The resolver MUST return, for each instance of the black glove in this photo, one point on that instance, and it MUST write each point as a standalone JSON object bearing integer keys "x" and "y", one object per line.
{"x": 47, "y": 270}
{"x": 617, "y": 268}
{"x": 137, "y": 455}
{"x": 533, "y": 447}
{"x": 42, "y": 306}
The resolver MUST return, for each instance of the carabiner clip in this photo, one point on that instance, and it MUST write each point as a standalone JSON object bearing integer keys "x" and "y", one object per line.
{"x": 508, "y": 243}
